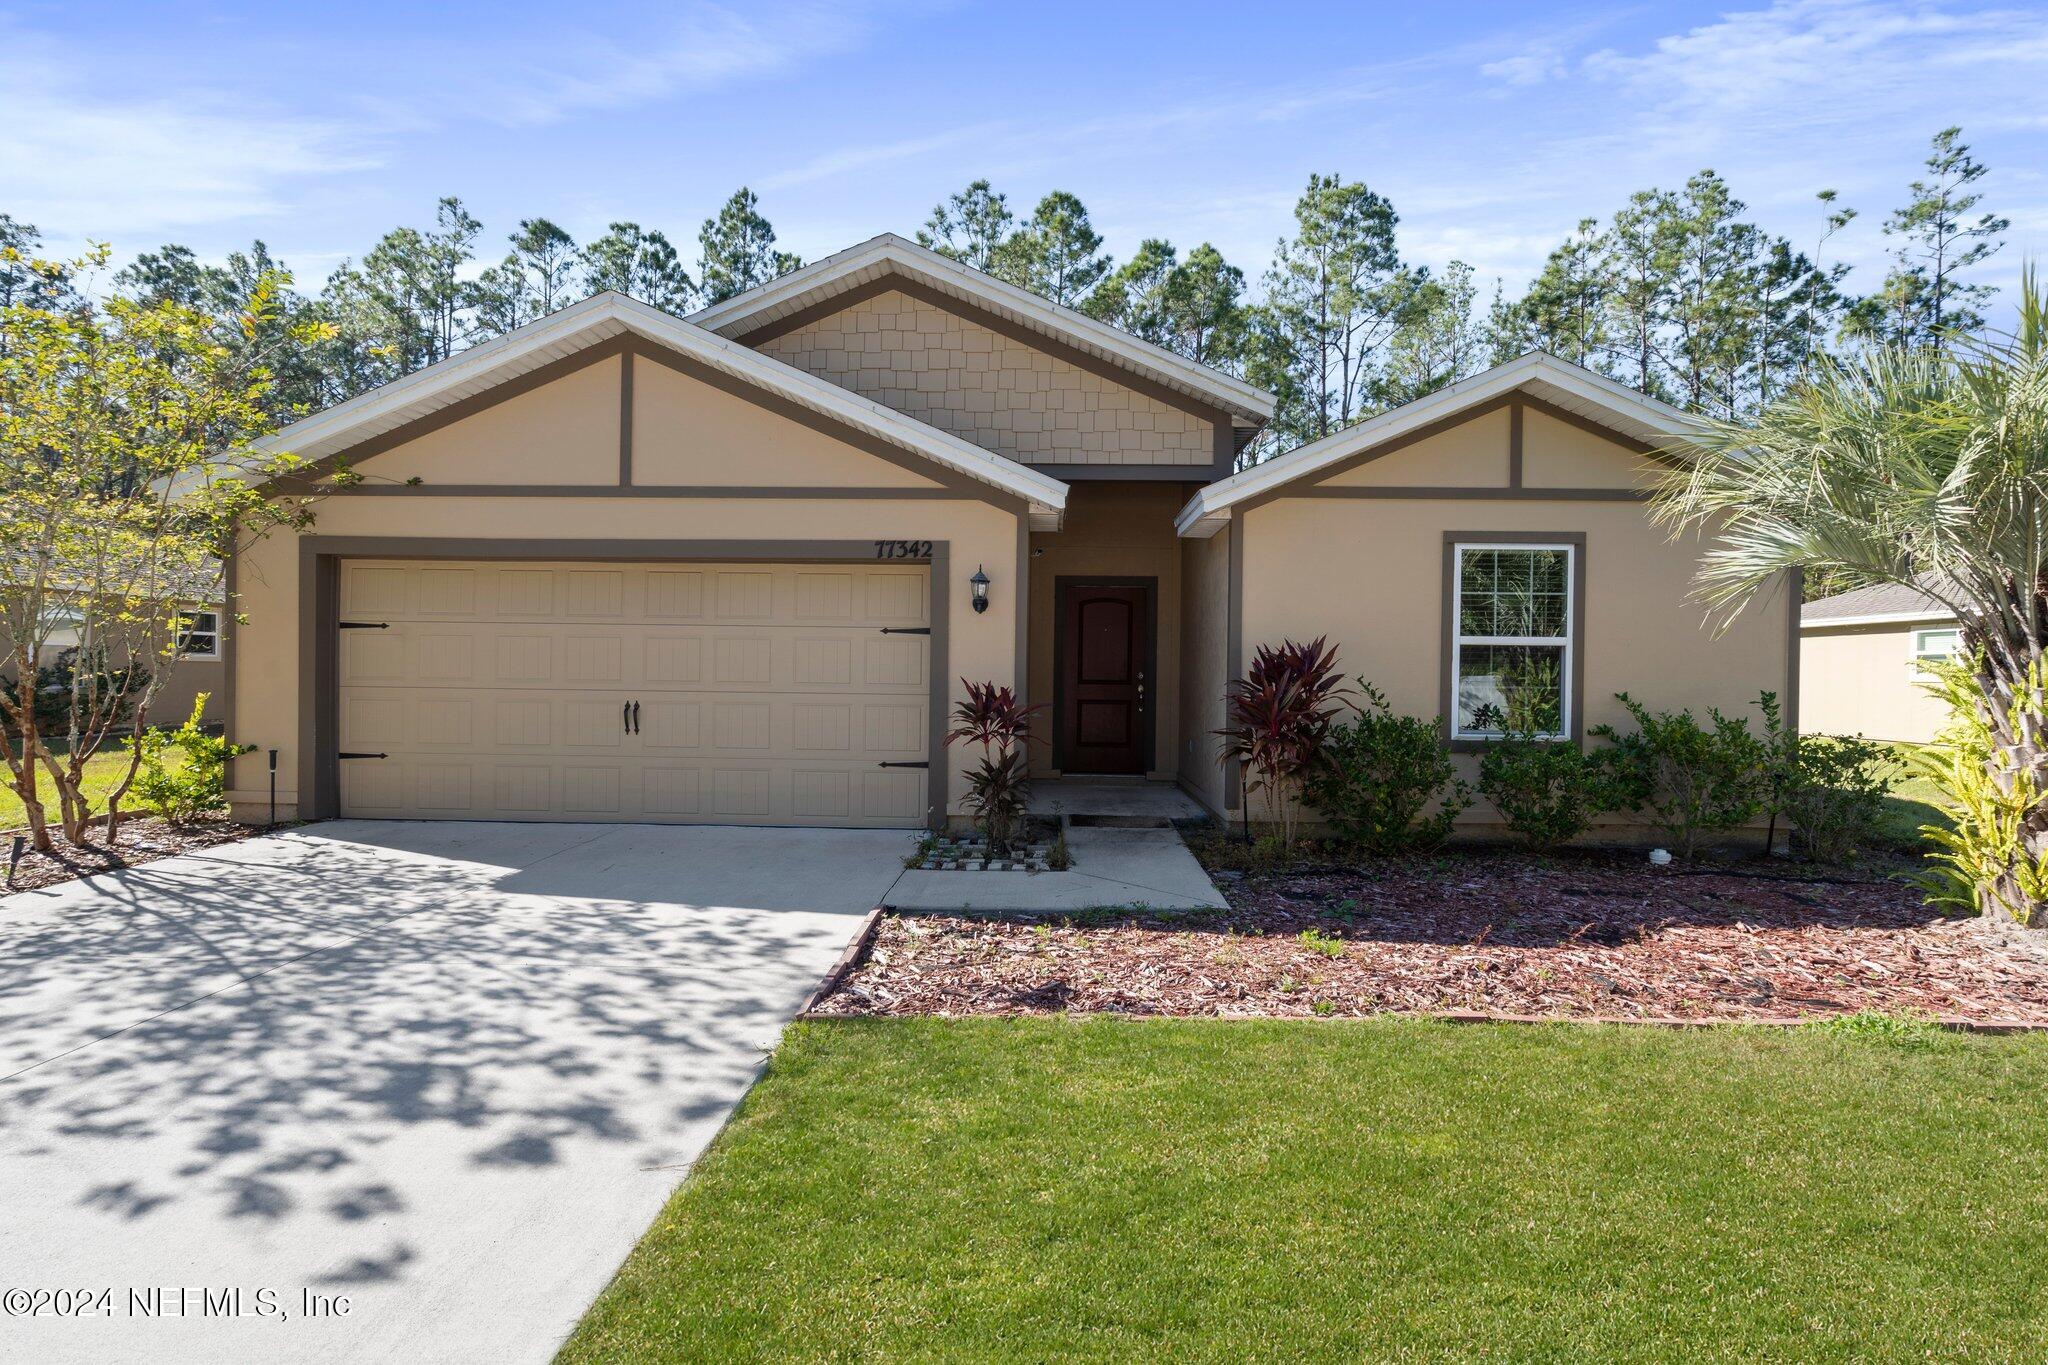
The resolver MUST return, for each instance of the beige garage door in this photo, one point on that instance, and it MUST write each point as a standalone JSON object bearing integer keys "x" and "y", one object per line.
{"x": 673, "y": 693}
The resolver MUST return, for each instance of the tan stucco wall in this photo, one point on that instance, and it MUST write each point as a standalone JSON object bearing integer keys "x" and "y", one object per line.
{"x": 1112, "y": 530}
{"x": 979, "y": 646}
{"x": 1368, "y": 573}
{"x": 686, "y": 432}
{"x": 566, "y": 431}
{"x": 1472, "y": 454}
{"x": 1861, "y": 680}
{"x": 1559, "y": 455}
{"x": 1204, "y": 634}
{"x": 986, "y": 388}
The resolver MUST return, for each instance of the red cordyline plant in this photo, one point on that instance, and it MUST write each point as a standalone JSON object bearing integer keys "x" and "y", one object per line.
{"x": 1277, "y": 718}
{"x": 999, "y": 785}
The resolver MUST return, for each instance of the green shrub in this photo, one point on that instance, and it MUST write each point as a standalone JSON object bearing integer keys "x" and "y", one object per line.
{"x": 1379, "y": 772}
{"x": 1694, "y": 780}
{"x": 1984, "y": 844}
{"x": 196, "y": 783}
{"x": 1547, "y": 791}
{"x": 1833, "y": 795}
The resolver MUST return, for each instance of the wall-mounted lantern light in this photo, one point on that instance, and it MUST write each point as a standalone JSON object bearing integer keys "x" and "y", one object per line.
{"x": 980, "y": 585}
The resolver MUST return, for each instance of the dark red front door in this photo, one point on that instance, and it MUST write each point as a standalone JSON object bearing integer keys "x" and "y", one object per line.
{"x": 1105, "y": 645}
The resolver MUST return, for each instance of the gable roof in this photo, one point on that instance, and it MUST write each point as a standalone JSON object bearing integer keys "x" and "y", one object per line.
{"x": 1877, "y": 603}
{"x": 610, "y": 314}
{"x": 1249, "y": 407}
{"x": 1560, "y": 383}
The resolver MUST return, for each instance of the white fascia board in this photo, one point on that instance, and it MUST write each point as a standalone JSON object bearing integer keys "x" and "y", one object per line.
{"x": 1225, "y": 390}
{"x": 1207, "y": 511}
{"x": 1036, "y": 488}
{"x": 1935, "y": 616}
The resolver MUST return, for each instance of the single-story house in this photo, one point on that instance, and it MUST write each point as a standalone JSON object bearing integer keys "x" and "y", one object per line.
{"x": 619, "y": 565}
{"x": 1861, "y": 654}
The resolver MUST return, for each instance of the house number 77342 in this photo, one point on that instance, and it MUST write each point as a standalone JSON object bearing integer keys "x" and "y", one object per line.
{"x": 903, "y": 549}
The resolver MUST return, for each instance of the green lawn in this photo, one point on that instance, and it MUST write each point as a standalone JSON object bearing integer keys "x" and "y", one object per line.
{"x": 1109, "y": 1189}
{"x": 1910, "y": 805}
{"x": 102, "y": 771}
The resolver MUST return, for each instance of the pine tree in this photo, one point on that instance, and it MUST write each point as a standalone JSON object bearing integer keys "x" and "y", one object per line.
{"x": 970, "y": 227}
{"x": 738, "y": 250}
{"x": 640, "y": 263}
{"x": 1440, "y": 343}
{"x": 1922, "y": 299}
{"x": 1134, "y": 295}
{"x": 1334, "y": 296}
{"x": 1565, "y": 308}
{"x": 1057, "y": 254}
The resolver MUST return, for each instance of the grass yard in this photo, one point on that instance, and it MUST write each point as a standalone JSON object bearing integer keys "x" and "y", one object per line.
{"x": 102, "y": 771}
{"x": 1056, "y": 1188}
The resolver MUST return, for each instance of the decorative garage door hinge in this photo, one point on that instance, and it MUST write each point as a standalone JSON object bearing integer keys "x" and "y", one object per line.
{"x": 919, "y": 764}
{"x": 906, "y": 630}
{"x": 346, "y": 754}
{"x": 366, "y": 625}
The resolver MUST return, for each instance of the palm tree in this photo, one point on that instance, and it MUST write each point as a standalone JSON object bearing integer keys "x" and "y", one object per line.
{"x": 1919, "y": 467}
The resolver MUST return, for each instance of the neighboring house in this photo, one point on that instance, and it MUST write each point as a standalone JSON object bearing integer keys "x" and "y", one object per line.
{"x": 1860, "y": 657}
{"x": 199, "y": 669}
{"x": 618, "y": 565}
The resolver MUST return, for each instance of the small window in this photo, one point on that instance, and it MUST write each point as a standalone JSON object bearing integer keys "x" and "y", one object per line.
{"x": 1512, "y": 641}
{"x": 199, "y": 635}
{"x": 1930, "y": 646}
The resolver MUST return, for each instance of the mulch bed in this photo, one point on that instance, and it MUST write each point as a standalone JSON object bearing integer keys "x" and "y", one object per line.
{"x": 143, "y": 839}
{"x": 1591, "y": 937}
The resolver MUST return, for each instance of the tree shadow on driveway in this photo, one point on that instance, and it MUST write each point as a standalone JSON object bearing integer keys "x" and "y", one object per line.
{"x": 369, "y": 1054}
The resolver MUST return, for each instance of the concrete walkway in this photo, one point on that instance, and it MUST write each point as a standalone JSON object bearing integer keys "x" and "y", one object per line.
{"x": 447, "y": 1072}
{"x": 1136, "y": 867}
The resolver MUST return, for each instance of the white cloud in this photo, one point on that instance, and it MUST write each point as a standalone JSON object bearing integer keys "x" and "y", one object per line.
{"x": 83, "y": 159}
{"x": 703, "y": 47}
{"x": 1528, "y": 68}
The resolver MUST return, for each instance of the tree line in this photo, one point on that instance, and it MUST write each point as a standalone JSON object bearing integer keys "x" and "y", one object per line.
{"x": 1677, "y": 293}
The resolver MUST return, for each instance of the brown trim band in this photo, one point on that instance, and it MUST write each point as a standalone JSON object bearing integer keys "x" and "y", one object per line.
{"x": 572, "y": 491}
{"x": 1587, "y": 424}
{"x": 1515, "y": 411}
{"x": 1447, "y": 657}
{"x": 1021, "y": 665}
{"x": 626, "y": 418}
{"x": 1524, "y": 494}
{"x": 1233, "y": 641}
{"x": 1198, "y": 474}
{"x": 229, "y": 652}
{"x": 318, "y": 778}
{"x": 1795, "y": 586}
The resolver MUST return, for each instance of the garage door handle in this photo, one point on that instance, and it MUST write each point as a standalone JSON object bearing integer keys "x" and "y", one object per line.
{"x": 636, "y": 717}
{"x": 906, "y": 630}
{"x": 346, "y": 754}
{"x": 365, "y": 625}
{"x": 625, "y": 718}
{"x": 919, "y": 764}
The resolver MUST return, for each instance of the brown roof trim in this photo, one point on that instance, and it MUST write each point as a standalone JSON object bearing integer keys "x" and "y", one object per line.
{"x": 892, "y": 282}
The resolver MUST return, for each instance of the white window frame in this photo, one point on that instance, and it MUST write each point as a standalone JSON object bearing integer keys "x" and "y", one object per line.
{"x": 1917, "y": 656}
{"x": 1569, "y": 641}
{"x": 188, "y": 617}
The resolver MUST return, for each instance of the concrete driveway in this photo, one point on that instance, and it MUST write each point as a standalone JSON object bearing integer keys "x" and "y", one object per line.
{"x": 445, "y": 1072}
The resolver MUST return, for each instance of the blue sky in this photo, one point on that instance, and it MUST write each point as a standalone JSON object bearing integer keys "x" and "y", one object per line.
{"x": 1492, "y": 127}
